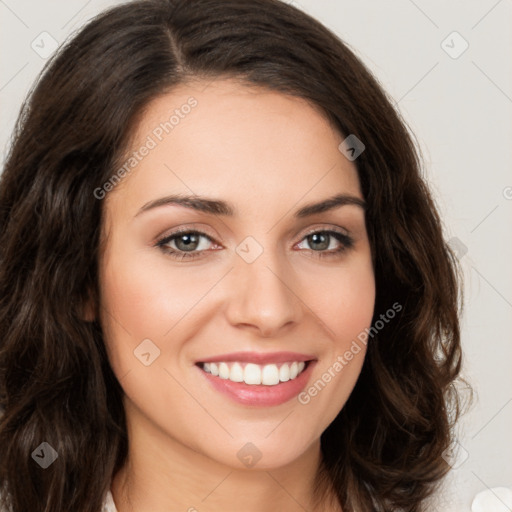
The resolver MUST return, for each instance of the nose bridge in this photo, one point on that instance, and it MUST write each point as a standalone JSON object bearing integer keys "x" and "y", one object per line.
{"x": 263, "y": 289}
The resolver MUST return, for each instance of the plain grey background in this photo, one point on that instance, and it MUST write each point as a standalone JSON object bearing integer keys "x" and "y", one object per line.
{"x": 448, "y": 66}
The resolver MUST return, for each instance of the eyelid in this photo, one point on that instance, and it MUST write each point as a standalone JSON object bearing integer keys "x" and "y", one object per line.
{"x": 326, "y": 227}
{"x": 187, "y": 229}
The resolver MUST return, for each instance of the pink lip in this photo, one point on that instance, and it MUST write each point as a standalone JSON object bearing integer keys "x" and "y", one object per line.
{"x": 259, "y": 357}
{"x": 260, "y": 395}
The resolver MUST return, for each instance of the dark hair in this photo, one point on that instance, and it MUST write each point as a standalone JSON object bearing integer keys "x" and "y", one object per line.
{"x": 384, "y": 449}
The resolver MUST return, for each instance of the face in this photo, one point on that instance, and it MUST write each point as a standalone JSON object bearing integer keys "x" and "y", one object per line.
{"x": 225, "y": 312}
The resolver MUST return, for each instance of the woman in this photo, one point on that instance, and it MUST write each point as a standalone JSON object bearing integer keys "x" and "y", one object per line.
{"x": 224, "y": 282}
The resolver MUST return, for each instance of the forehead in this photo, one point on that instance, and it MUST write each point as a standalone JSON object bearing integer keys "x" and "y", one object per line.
{"x": 249, "y": 145}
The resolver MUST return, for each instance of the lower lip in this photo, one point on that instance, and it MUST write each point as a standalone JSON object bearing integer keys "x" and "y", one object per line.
{"x": 258, "y": 394}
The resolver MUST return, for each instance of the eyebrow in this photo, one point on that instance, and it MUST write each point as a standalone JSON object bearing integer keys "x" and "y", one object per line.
{"x": 220, "y": 207}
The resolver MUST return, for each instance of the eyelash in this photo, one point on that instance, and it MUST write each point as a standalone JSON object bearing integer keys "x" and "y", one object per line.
{"x": 346, "y": 243}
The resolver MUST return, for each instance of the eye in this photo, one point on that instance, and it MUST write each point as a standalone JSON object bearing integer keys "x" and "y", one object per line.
{"x": 327, "y": 243}
{"x": 184, "y": 244}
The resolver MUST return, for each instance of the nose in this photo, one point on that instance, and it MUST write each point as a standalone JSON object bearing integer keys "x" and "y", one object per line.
{"x": 263, "y": 298}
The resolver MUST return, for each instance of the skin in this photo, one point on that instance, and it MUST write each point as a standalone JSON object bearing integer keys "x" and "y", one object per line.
{"x": 267, "y": 154}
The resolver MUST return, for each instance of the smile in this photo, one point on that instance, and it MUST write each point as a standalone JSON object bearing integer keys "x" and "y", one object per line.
{"x": 258, "y": 382}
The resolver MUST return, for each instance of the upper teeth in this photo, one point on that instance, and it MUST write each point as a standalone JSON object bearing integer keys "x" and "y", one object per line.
{"x": 268, "y": 375}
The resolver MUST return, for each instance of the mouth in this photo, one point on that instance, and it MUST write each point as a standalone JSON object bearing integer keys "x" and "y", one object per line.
{"x": 258, "y": 379}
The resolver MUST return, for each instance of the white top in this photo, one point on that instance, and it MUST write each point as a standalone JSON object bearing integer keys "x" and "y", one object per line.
{"x": 108, "y": 504}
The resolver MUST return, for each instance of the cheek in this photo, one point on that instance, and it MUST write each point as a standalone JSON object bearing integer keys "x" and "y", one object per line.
{"x": 147, "y": 299}
{"x": 344, "y": 301}
{"x": 346, "y": 309}
{"x": 146, "y": 316}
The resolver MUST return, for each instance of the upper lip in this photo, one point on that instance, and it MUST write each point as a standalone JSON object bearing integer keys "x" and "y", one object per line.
{"x": 259, "y": 357}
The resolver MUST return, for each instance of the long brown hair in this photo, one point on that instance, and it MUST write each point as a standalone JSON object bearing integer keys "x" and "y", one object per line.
{"x": 384, "y": 450}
